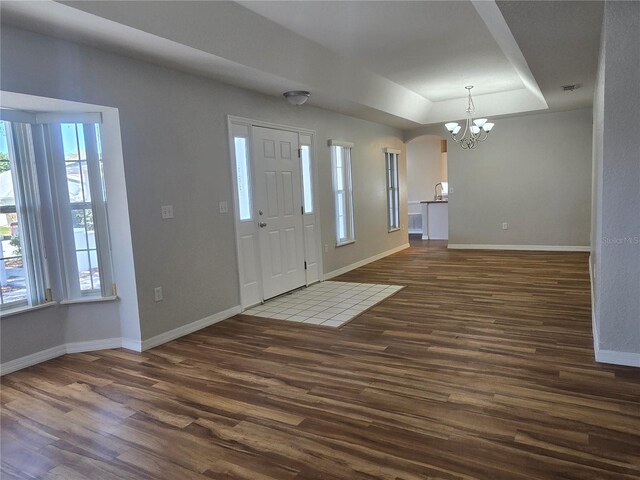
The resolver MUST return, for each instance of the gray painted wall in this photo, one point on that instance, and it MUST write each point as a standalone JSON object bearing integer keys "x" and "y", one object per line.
{"x": 616, "y": 209}
{"x": 25, "y": 334}
{"x": 534, "y": 172}
{"x": 174, "y": 139}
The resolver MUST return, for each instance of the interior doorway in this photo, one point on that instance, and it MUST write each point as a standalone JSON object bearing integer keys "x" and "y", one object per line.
{"x": 427, "y": 187}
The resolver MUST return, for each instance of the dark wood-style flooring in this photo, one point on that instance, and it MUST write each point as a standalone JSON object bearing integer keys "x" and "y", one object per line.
{"x": 482, "y": 368}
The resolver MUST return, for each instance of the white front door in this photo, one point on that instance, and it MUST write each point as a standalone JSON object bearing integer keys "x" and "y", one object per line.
{"x": 278, "y": 203}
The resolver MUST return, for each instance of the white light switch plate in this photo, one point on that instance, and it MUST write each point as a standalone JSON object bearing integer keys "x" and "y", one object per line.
{"x": 224, "y": 207}
{"x": 167, "y": 211}
{"x": 157, "y": 294}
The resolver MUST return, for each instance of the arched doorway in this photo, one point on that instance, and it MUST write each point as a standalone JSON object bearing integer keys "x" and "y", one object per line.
{"x": 426, "y": 186}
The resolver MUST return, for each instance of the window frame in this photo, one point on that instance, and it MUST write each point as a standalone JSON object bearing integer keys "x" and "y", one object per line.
{"x": 63, "y": 208}
{"x": 47, "y": 236}
{"x": 8, "y": 209}
{"x": 392, "y": 157}
{"x": 20, "y": 146}
{"x": 306, "y": 172}
{"x": 247, "y": 165}
{"x": 25, "y": 207}
{"x": 346, "y": 179}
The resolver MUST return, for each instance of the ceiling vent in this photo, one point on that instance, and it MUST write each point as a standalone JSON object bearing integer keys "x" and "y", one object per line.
{"x": 570, "y": 88}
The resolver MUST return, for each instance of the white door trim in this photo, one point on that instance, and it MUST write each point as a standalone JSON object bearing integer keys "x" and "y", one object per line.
{"x": 242, "y": 126}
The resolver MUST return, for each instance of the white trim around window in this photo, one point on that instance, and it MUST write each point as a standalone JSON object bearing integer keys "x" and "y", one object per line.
{"x": 119, "y": 235}
{"x": 342, "y": 191}
{"x": 340, "y": 143}
{"x": 58, "y": 198}
{"x": 23, "y": 270}
{"x": 80, "y": 206}
{"x": 392, "y": 189}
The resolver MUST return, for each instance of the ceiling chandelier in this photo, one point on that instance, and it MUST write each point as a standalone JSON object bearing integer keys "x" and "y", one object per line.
{"x": 475, "y": 131}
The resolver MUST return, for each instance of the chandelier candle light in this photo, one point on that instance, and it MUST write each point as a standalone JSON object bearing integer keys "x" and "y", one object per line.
{"x": 475, "y": 131}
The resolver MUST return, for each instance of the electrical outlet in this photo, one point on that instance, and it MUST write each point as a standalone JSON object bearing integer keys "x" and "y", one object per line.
{"x": 450, "y": 189}
{"x": 224, "y": 207}
{"x": 505, "y": 226}
{"x": 167, "y": 211}
{"x": 157, "y": 293}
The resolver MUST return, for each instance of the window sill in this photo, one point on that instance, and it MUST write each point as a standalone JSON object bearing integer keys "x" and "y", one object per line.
{"x": 89, "y": 300}
{"x": 393, "y": 230}
{"x": 342, "y": 244}
{"x": 26, "y": 309}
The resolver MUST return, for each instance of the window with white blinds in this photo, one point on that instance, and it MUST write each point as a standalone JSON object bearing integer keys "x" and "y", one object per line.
{"x": 52, "y": 186}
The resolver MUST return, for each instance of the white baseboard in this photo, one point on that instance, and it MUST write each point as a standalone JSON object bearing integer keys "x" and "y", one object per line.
{"x": 629, "y": 359}
{"x": 28, "y": 360}
{"x": 415, "y": 231}
{"x": 131, "y": 344}
{"x": 594, "y": 327}
{"x": 107, "y": 343}
{"x": 353, "y": 266}
{"x": 541, "y": 248}
{"x": 49, "y": 353}
{"x": 93, "y": 345}
{"x": 189, "y": 328}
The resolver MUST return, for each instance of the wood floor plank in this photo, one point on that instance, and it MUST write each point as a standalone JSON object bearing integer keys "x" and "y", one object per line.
{"x": 481, "y": 368}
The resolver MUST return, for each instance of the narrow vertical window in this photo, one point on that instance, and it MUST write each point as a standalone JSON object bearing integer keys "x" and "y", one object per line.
{"x": 13, "y": 278}
{"x": 22, "y": 273}
{"x": 76, "y": 153}
{"x": 307, "y": 179}
{"x": 341, "y": 163}
{"x": 84, "y": 235}
{"x": 393, "y": 194}
{"x": 242, "y": 176}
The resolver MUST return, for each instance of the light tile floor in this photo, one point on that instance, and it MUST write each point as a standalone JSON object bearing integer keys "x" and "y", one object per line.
{"x": 331, "y": 304}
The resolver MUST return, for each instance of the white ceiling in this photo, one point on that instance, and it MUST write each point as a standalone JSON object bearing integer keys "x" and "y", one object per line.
{"x": 400, "y": 63}
{"x": 561, "y": 42}
{"x": 433, "y": 48}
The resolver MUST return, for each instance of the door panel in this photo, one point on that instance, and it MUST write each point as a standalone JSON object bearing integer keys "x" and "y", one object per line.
{"x": 292, "y": 260}
{"x": 279, "y": 198}
{"x": 287, "y": 186}
{"x": 249, "y": 265}
{"x": 271, "y": 184}
{"x": 269, "y": 148}
{"x": 273, "y": 258}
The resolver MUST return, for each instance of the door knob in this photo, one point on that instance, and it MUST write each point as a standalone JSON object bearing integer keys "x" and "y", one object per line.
{"x": 262, "y": 224}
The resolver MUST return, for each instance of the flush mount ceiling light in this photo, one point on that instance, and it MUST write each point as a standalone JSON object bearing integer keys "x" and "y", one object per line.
{"x": 475, "y": 131}
{"x": 297, "y": 97}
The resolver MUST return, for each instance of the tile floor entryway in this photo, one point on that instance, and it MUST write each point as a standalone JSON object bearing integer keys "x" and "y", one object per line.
{"x": 331, "y": 304}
